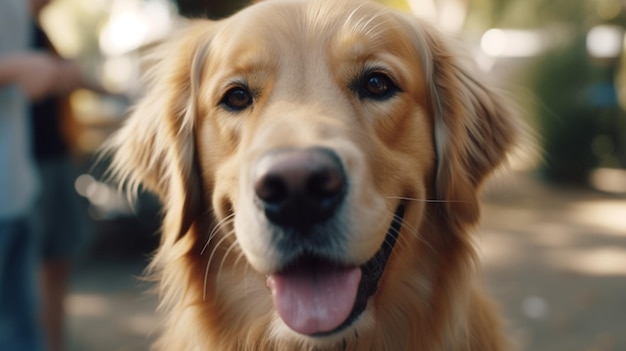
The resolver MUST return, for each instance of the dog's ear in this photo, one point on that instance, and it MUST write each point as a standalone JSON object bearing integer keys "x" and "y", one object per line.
{"x": 155, "y": 148}
{"x": 474, "y": 125}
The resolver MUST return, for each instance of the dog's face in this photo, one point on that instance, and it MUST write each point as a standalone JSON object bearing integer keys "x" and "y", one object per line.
{"x": 328, "y": 140}
{"x": 326, "y": 129}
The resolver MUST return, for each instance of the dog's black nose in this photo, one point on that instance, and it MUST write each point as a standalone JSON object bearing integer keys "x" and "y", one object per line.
{"x": 300, "y": 187}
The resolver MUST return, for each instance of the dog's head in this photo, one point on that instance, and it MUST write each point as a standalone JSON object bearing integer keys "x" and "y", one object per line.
{"x": 326, "y": 141}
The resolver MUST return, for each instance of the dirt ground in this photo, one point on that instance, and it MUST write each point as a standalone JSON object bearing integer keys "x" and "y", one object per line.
{"x": 555, "y": 259}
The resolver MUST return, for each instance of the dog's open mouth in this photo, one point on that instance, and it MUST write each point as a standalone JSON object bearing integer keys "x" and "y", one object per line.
{"x": 317, "y": 297}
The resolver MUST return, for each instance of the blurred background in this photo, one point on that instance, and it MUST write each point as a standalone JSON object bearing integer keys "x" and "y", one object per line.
{"x": 553, "y": 237}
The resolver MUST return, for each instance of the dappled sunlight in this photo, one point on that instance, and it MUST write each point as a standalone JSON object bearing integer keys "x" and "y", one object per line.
{"x": 610, "y": 261}
{"x": 575, "y": 231}
{"x": 609, "y": 180}
{"x": 605, "y": 214}
{"x": 556, "y": 261}
{"x": 550, "y": 234}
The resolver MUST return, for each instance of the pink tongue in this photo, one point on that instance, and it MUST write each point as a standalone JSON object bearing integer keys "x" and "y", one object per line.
{"x": 318, "y": 300}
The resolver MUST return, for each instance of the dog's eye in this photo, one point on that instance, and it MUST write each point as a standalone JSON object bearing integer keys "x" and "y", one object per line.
{"x": 377, "y": 86}
{"x": 237, "y": 99}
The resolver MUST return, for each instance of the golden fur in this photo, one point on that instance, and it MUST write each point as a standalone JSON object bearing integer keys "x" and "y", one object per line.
{"x": 429, "y": 147}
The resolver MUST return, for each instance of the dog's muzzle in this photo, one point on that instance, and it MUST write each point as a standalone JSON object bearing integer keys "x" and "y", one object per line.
{"x": 298, "y": 190}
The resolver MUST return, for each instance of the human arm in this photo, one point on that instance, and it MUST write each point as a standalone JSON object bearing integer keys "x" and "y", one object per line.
{"x": 36, "y": 73}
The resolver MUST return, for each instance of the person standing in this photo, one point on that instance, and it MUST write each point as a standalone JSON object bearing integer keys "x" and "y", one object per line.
{"x": 61, "y": 225}
{"x": 24, "y": 75}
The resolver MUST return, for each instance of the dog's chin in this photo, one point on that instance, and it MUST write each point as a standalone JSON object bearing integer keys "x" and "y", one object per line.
{"x": 320, "y": 298}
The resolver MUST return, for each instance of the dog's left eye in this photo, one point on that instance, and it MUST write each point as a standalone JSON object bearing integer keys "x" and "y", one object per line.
{"x": 237, "y": 99}
{"x": 378, "y": 86}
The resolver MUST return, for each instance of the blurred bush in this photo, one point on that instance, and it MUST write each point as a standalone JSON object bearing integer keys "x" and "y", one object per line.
{"x": 576, "y": 112}
{"x": 559, "y": 80}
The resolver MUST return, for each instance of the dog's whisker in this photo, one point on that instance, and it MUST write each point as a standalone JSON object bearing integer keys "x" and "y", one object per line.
{"x": 395, "y": 219}
{"x": 388, "y": 243}
{"x": 391, "y": 245}
{"x": 403, "y": 223}
{"x": 404, "y": 242}
{"x": 208, "y": 266}
{"x": 418, "y": 237}
{"x": 247, "y": 287}
{"x": 230, "y": 248}
{"x": 411, "y": 230}
{"x": 216, "y": 229}
{"x": 219, "y": 226}
{"x": 401, "y": 242}
{"x": 246, "y": 282}
{"x": 238, "y": 259}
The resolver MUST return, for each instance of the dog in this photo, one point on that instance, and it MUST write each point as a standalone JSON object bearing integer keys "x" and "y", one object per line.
{"x": 319, "y": 165}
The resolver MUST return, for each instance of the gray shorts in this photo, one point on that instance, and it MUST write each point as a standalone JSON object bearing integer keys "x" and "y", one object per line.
{"x": 60, "y": 217}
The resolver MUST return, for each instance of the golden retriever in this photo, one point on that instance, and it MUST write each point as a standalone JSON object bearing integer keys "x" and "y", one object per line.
{"x": 318, "y": 164}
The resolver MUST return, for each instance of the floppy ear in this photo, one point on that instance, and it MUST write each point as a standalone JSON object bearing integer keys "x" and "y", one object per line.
{"x": 474, "y": 125}
{"x": 155, "y": 149}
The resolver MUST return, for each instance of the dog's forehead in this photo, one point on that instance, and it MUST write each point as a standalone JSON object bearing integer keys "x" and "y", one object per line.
{"x": 299, "y": 47}
{"x": 346, "y": 27}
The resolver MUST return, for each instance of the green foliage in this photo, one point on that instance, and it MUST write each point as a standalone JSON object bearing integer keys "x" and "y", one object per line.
{"x": 527, "y": 13}
{"x": 560, "y": 81}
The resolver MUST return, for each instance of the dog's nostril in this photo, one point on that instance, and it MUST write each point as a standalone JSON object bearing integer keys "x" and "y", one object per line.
{"x": 325, "y": 183}
{"x": 271, "y": 188}
{"x": 299, "y": 188}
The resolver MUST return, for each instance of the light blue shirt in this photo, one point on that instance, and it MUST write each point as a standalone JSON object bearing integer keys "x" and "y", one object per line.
{"x": 18, "y": 178}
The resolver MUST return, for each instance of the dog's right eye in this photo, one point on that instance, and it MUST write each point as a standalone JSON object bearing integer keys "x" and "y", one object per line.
{"x": 237, "y": 99}
{"x": 375, "y": 85}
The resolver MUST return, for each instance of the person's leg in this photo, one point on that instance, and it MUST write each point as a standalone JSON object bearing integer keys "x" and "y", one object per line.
{"x": 54, "y": 280}
{"x": 61, "y": 221}
{"x": 20, "y": 328}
